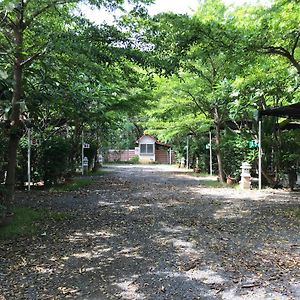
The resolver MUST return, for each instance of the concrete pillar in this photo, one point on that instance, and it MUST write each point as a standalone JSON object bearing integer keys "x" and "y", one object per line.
{"x": 245, "y": 182}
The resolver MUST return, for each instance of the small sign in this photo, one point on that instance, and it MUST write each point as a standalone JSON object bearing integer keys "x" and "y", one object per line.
{"x": 85, "y": 162}
{"x": 86, "y": 146}
{"x": 35, "y": 142}
{"x": 207, "y": 146}
{"x": 253, "y": 144}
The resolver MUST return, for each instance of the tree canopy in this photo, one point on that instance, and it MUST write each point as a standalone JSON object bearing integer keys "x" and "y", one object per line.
{"x": 170, "y": 75}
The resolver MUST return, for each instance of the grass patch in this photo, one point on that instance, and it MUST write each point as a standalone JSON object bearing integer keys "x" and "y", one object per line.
{"x": 25, "y": 222}
{"x": 217, "y": 184}
{"x": 198, "y": 174}
{"x": 213, "y": 184}
{"x": 71, "y": 186}
{"x": 294, "y": 213}
{"x": 98, "y": 173}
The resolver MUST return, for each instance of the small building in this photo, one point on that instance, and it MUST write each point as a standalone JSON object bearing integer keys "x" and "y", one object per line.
{"x": 150, "y": 150}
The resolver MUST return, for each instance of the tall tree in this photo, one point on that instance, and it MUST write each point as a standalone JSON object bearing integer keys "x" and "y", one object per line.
{"x": 25, "y": 37}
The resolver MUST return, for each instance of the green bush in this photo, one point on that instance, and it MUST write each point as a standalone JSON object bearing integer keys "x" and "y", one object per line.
{"x": 21, "y": 171}
{"x": 55, "y": 163}
{"x": 235, "y": 151}
{"x": 72, "y": 186}
{"x": 27, "y": 222}
{"x": 134, "y": 160}
{"x": 50, "y": 160}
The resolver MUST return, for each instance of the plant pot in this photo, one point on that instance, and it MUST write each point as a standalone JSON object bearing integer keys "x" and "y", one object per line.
{"x": 230, "y": 180}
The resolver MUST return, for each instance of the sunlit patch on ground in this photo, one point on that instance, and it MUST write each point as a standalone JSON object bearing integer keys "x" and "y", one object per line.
{"x": 129, "y": 290}
{"x": 77, "y": 236}
{"x": 231, "y": 211}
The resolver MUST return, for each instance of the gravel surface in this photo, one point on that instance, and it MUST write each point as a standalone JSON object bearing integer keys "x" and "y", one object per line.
{"x": 154, "y": 232}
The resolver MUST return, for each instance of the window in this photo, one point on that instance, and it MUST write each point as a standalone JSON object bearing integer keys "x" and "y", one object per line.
{"x": 146, "y": 148}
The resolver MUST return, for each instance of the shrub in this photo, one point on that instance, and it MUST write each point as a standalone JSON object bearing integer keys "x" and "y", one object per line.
{"x": 134, "y": 160}
{"x": 28, "y": 222}
{"x": 72, "y": 186}
{"x": 55, "y": 159}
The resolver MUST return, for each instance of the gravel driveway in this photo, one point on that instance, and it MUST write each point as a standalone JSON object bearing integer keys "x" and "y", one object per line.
{"x": 154, "y": 232}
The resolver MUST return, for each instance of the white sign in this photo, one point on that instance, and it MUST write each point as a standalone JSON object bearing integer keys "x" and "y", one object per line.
{"x": 85, "y": 162}
{"x": 86, "y": 146}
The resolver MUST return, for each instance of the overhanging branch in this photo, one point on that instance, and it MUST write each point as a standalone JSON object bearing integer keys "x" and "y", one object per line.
{"x": 285, "y": 53}
{"x": 40, "y": 11}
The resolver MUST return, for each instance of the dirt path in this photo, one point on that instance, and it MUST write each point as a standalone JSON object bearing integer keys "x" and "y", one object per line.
{"x": 151, "y": 233}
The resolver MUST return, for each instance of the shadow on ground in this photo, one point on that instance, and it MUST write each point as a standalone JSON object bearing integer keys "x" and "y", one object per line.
{"x": 156, "y": 233}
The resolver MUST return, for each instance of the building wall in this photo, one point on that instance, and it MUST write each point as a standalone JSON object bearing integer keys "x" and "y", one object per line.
{"x": 147, "y": 158}
{"x": 120, "y": 155}
{"x": 162, "y": 155}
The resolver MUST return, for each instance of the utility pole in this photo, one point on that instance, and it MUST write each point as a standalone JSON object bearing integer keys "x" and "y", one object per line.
{"x": 259, "y": 155}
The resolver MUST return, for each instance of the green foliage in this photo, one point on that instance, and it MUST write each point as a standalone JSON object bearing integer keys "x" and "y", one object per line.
{"x": 214, "y": 184}
{"x": 99, "y": 173}
{"x": 54, "y": 159}
{"x": 236, "y": 151}
{"x": 74, "y": 185}
{"x": 220, "y": 64}
{"x": 26, "y": 222}
{"x": 289, "y": 150}
{"x": 66, "y": 86}
{"x": 134, "y": 160}
{"x": 231, "y": 63}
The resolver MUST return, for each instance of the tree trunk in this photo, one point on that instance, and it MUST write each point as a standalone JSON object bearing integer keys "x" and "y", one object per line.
{"x": 76, "y": 144}
{"x": 16, "y": 129}
{"x": 11, "y": 170}
{"x": 218, "y": 143}
{"x": 273, "y": 183}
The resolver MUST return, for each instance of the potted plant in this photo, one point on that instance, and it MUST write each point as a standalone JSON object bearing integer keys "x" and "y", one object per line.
{"x": 230, "y": 180}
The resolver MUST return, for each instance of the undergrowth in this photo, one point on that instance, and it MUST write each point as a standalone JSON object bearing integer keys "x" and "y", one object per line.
{"x": 26, "y": 221}
{"x": 71, "y": 186}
